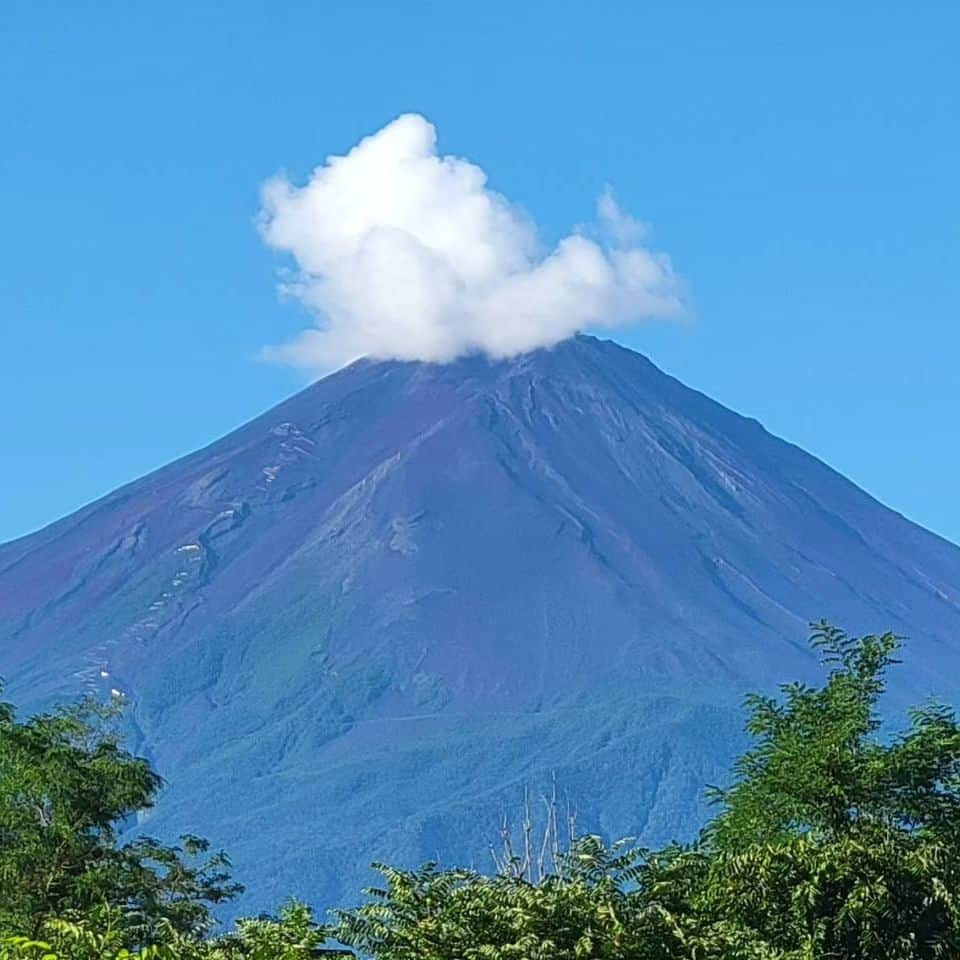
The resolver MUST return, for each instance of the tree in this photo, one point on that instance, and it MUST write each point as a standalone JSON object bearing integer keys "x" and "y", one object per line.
{"x": 292, "y": 936}
{"x": 831, "y": 842}
{"x": 580, "y": 911}
{"x": 66, "y": 787}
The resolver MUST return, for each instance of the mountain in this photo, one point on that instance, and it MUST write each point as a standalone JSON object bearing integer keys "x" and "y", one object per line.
{"x": 360, "y": 625}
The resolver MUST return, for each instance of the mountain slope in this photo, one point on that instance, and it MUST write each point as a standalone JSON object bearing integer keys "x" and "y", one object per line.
{"x": 356, "y": 626}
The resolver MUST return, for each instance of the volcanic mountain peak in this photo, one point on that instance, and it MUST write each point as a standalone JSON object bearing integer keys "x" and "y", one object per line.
{"x": 354, "y": 626}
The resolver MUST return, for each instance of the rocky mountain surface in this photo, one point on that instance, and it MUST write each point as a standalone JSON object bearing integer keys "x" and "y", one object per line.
{"x": 358, "y": 626}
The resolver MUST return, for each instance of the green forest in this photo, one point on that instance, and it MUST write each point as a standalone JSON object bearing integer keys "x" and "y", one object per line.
{"x": 832, "y": 840}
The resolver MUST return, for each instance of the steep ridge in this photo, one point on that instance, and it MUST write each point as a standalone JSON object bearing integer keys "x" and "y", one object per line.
{"x": 358, "y": 625}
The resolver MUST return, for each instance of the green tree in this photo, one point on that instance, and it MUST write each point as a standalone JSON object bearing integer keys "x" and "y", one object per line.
{"x": 580, "y": 911}
{"x": 66, "y": 786}
{"x": 293, "y": 935}
{"x": 832, "y": 842}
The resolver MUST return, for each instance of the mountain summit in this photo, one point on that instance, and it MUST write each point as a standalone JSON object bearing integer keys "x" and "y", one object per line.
{"x": 358, "y": 626}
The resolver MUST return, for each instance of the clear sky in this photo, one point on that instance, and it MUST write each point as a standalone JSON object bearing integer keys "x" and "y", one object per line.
{"x": 799, "y": 162}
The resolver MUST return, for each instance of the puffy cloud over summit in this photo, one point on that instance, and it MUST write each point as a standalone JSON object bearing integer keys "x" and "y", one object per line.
{"x": 403, "y": 253}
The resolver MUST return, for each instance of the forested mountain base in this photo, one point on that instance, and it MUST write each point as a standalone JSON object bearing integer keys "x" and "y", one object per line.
{"x": 832, "y": 841}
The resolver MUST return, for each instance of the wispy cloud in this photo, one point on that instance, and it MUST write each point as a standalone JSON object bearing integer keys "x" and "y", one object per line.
{"x": 403, "y": 253}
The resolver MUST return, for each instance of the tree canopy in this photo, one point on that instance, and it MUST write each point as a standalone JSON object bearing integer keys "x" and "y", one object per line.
{"x": 67, "y": 786}
{"x": 831, "y": 841}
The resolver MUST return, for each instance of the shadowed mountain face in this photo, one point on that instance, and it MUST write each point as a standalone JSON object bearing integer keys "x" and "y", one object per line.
{"x": 356, "y": 627}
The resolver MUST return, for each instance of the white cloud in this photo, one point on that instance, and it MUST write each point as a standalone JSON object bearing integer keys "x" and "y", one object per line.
{"x": 403, "y": 253}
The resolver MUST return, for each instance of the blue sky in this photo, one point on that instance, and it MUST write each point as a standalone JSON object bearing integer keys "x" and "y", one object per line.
{"x": 798, "y": 163}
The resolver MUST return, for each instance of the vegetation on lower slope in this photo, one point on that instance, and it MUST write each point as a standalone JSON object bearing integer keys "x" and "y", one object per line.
{"x": 831, "y": 842}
